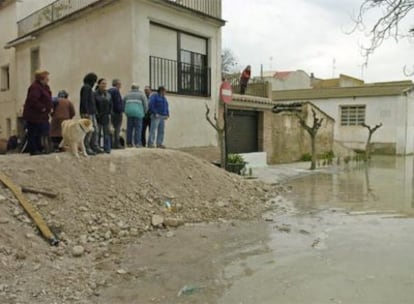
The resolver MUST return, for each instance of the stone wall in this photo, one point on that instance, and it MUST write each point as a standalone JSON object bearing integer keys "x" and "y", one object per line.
{"x": 290, "y": 141}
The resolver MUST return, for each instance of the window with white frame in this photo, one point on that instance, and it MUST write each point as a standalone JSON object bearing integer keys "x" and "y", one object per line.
{"x": 352, "y": 115}
{"x": 5, "y": 78}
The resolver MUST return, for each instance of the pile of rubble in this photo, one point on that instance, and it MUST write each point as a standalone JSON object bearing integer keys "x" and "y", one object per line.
{"x": 104, "y": 203}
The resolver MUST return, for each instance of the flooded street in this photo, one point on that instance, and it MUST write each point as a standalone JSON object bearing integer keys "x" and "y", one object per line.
{"x": 348, "y": 237}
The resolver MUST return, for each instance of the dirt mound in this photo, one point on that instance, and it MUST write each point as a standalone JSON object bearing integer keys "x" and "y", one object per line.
{"x": 105, "y": 202}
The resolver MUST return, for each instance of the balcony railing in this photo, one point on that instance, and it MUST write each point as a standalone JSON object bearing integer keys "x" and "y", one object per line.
{"x": 64, "y": 8}
{"x": 52, "y": 13}
{"x": 178, "y": 77}
{"x": 207, "y": 7}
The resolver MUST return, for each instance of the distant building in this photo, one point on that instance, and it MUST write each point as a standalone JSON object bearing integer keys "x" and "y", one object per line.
{"x": 288, "y": 80}
{"x": 351, "y": 102}
{"x": 159, "y": 42}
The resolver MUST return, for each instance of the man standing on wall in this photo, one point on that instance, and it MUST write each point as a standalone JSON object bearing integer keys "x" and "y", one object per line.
{"x": 146, "y": 123}
{"x": 117, "y": 111}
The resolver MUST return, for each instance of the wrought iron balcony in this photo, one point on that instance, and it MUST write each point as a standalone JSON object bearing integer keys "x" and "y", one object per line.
{"x": 52, "y": 13}
{"x": 179, "y": 77}
{"x": 64, "y": 8}
{"x": 207, "y": 7}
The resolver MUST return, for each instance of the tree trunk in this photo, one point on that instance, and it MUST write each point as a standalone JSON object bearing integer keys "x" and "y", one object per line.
{"x": 313, "y": 143}
{"x": 368, "y": 146}
{"x": 221, "y": 140}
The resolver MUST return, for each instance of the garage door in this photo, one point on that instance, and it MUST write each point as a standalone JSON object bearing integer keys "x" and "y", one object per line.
{"x": 243, "y": 131}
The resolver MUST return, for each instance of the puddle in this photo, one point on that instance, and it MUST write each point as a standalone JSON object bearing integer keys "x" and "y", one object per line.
{"x": 348, "y": 238}
{"x": 387, "y": 185}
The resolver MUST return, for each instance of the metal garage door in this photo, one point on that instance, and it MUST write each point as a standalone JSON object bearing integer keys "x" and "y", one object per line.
{"x": 243, "y": 131}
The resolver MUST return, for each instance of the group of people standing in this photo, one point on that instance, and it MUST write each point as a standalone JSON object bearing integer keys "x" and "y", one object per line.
{"x": 104, "y": 107}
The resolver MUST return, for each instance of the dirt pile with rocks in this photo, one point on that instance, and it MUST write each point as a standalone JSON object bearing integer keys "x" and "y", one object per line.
{"x": 106, "y": 202}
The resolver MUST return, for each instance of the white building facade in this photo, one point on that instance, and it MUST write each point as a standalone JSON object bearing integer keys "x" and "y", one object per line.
{"x": 391, "y": 104}
{"x": 150, "y": 42}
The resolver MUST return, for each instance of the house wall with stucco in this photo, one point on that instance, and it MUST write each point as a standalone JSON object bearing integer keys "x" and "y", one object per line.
{"x": 394, "y": 112}
{"x": 114, "y": 41}
{"x": 7, "y": 61}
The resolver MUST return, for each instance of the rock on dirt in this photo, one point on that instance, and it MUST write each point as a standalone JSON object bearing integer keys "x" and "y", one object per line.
{"x": 4, "y": 220}
{"x": 78, "y": 251}
{"x": 157, "y": 221}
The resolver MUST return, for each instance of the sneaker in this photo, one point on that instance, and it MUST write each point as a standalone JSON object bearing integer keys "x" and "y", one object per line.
{"x": 151, "y": 147}
{"x": 138, "y": 146}
{"x": 161, "y": 147}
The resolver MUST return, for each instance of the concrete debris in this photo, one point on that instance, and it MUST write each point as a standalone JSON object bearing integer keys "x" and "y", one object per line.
{"x": 157, "y": 221}
{"x": 78, "y": 251}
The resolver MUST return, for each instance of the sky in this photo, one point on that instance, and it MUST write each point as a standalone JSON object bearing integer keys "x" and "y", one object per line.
{"x": 310, "y": 35}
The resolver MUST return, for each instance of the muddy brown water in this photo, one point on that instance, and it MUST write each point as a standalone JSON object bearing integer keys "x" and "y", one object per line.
{"x": 343, "y": 236}
{"x": 348, "y": 238}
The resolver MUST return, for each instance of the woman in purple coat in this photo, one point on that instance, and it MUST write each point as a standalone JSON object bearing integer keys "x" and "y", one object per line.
{"x": 36, "y": 112}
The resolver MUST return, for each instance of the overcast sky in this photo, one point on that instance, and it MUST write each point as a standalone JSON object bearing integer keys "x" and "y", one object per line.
{"x": 309, "y": 35}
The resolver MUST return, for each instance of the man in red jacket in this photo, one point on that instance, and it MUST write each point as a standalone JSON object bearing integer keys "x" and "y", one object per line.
{"x": 36, "y": 112}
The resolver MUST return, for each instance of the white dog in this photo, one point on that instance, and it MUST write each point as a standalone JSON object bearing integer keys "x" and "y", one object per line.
{"x": 74, "y": 132}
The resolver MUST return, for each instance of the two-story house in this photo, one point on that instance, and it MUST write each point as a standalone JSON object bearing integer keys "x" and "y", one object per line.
{"x": 175, "y": 43}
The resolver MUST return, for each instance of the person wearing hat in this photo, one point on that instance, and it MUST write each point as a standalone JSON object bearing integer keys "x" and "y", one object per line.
{"x": 37, "y": 108}
{"x": 159, "y": 109}
{"x": 63, "y": 110}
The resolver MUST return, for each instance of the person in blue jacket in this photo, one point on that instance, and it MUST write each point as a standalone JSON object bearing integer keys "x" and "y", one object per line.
{"x": 158, "y": 106}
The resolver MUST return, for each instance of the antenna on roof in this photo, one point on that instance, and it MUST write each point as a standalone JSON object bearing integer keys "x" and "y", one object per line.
{"x": 271, "y": 63}
{"x": 333, "y": 67}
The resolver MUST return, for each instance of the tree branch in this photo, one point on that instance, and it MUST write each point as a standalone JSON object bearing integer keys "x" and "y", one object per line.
{"x": 387, "y": 26}
{"x": 214, "y": 125}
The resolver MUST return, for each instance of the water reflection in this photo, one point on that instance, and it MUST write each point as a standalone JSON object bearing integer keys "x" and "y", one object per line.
{"x": 386, "y": 184}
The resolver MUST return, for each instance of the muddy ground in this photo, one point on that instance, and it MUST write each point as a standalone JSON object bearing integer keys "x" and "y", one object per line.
{"x": 117, "y": 218}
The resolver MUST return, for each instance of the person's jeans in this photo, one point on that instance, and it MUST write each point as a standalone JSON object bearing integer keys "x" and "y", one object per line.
{"x": 92, "y": 138}
{"x": 146, "y": 124}
{"x": 117, "y": 123}
{"x": 134, "y": 130}
{"x": 104, "y": 129}
{"x": 157, "y": 129}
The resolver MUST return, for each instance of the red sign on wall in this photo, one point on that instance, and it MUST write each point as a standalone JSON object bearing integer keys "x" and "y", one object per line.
{"x": 226, "y": 92}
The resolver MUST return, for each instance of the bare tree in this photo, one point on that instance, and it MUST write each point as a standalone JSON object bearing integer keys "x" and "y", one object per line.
{"x": 312, "y": 130}
{"x": 371, "y": 131}
{"x": 220, "y": 133}
{"x": 388, "y": 25}
{"x": 228, "y": 61}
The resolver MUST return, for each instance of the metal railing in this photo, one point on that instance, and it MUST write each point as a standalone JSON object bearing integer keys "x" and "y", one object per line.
{"x": 178, "y": 77}
{"x": 207, "y": 7}
{"x": 256, "y": 87}
{"x": 51, "y": 13}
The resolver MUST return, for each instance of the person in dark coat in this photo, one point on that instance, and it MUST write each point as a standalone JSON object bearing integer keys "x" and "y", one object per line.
{"x": 244, "y": 79}
{"x": 146, "y": 122}
{"x": 103, "y": 104}
{"x": 37, "y": 108}
{"x": 87, "y": 109}
{"x": 63, "y": 109}
{"x": 117, "y": 111}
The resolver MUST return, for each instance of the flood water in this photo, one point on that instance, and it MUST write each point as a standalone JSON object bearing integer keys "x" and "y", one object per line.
{"x": 347, "y": 237}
